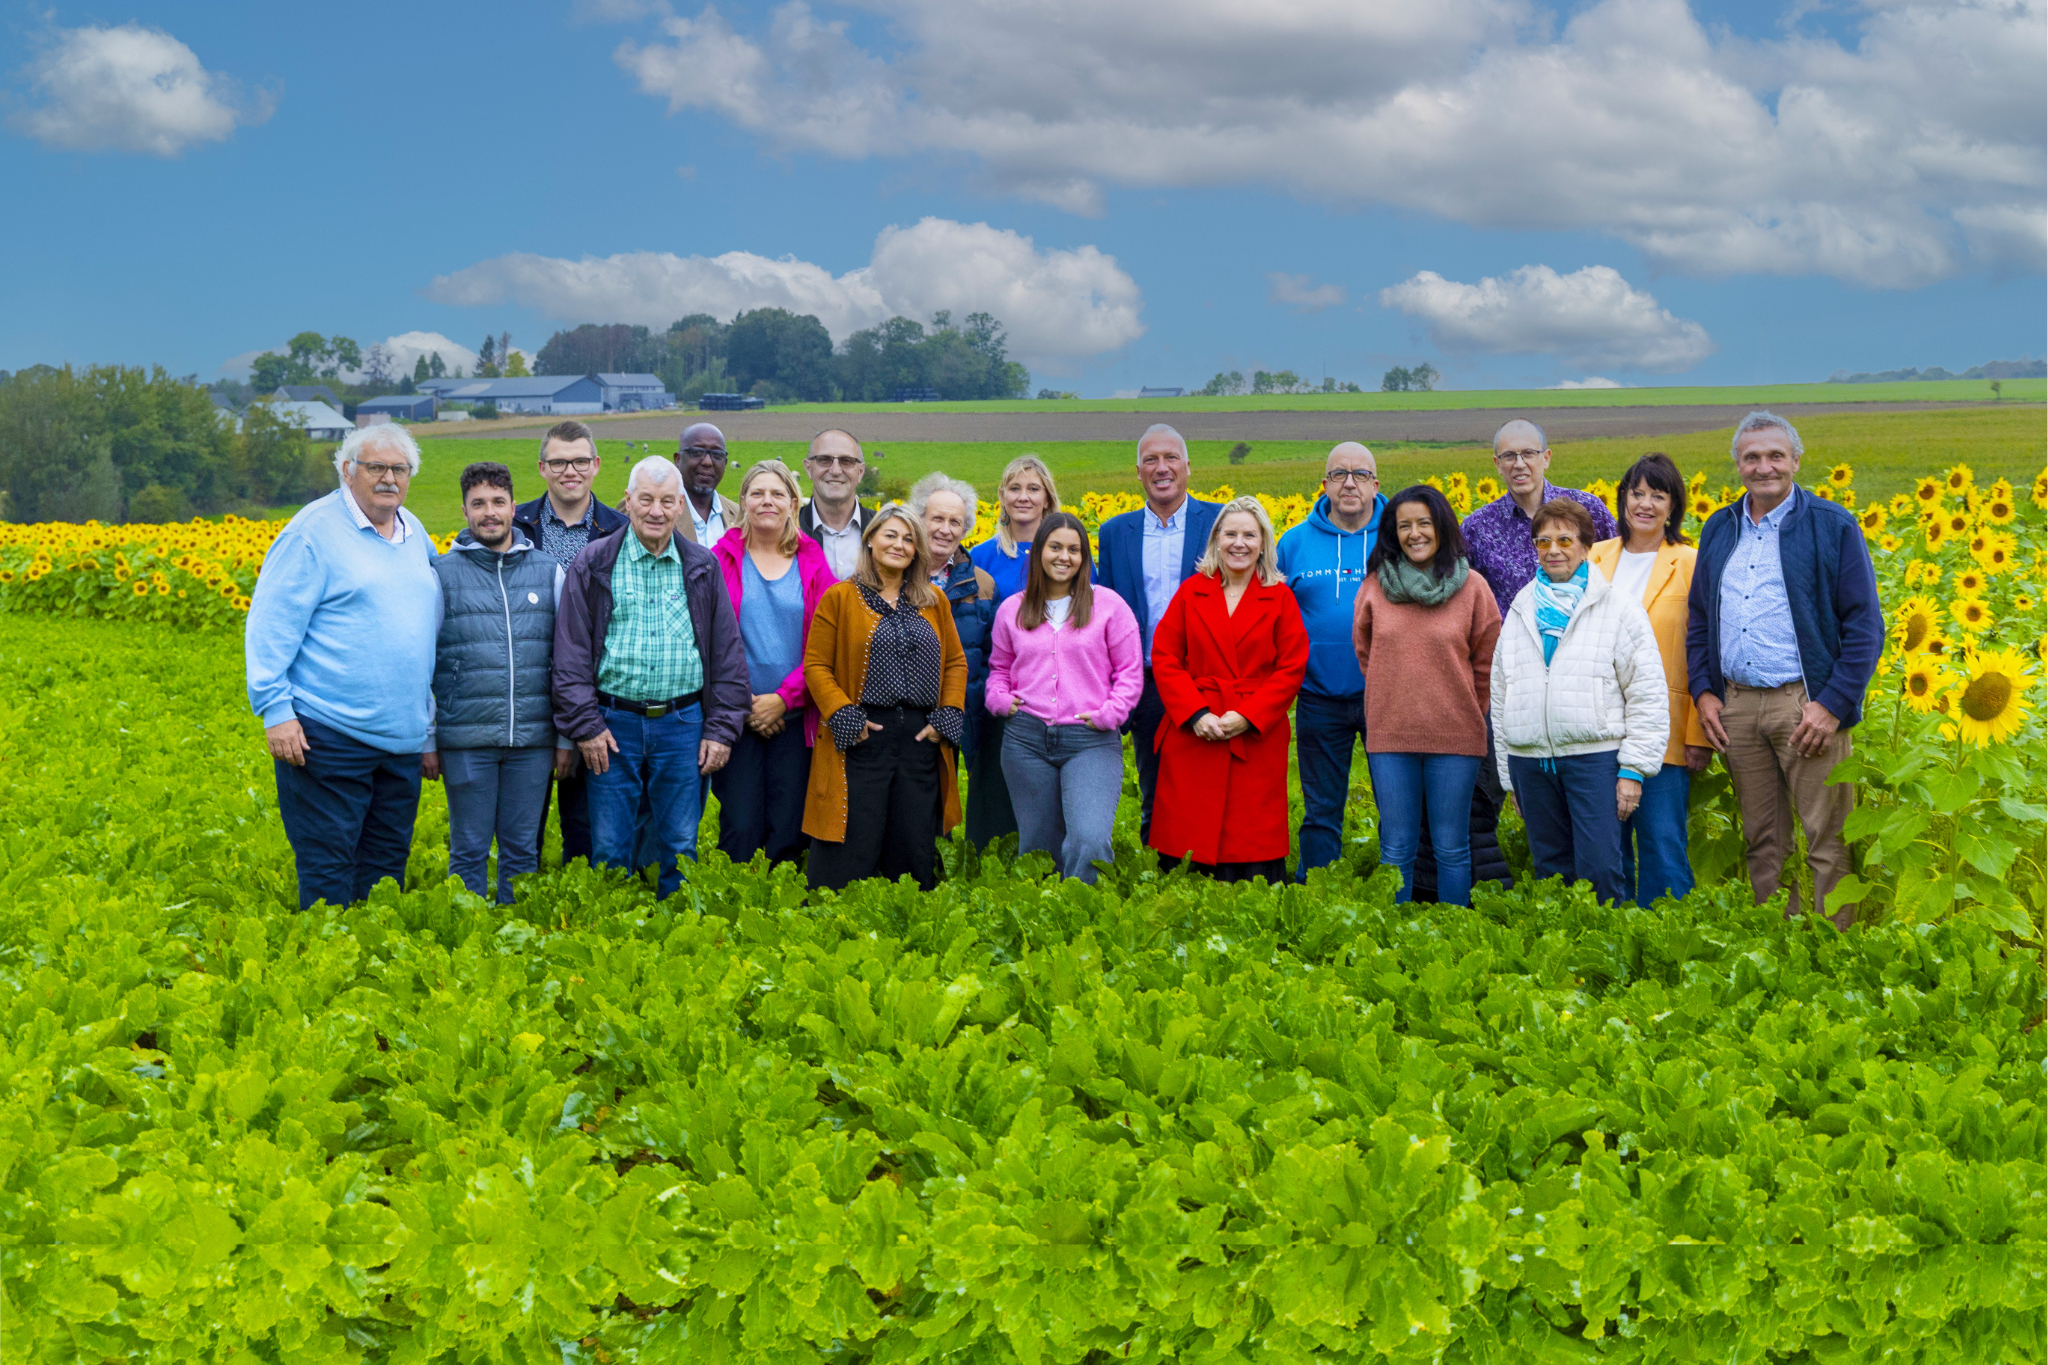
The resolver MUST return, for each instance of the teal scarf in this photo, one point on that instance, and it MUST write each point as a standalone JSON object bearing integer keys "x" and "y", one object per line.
{"x": 1403, "y": 581}
{"x": 1555, "y": 603}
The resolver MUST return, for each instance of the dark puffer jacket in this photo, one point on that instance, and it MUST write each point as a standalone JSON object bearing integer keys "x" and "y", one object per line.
{"x": 971, "y": 592}
{"x": 493, "y": 653}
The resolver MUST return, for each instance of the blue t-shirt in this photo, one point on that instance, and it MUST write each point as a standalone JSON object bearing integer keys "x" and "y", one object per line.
{"x": 771, "y": 624}
{"x": 1008, "y": 571}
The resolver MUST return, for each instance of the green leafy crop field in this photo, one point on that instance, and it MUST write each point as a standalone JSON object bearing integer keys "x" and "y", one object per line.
{"x": 1015, "y": 1120}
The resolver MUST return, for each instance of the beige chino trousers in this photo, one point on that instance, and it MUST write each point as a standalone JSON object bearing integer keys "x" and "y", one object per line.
{"x": 1773, "y": 781}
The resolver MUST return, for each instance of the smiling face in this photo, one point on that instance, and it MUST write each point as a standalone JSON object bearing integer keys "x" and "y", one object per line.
{"x": 700, "y": 454}
{"x": 568, "y": 467}
{"x": 1239, "y": 543}
{"x": 1560, "y": 549}
{"x": 379, "y": 476}
{"x": 1415, "y": 533}
{"x": 1647, "y": 510}
{"x": 1520, "y": 458}
{"x": 1163, "y": 470}
{"x": 767, "y": 506}
{"x": 488, "y": 510}
{"x": 1766, "y": 465}
{"x": 653, "y": 506}
{"x": 945, "y": 521}
{"x": 835, "y": 466}
{"x": 1025, "y": 502}
{"x": 894, "y": 547}
{"x": 1062, "y": 557}
{"x": 1350, "y": 480}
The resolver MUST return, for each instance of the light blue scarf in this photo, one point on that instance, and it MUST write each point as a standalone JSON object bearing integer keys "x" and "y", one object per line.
{"x": 1555, "y": 603}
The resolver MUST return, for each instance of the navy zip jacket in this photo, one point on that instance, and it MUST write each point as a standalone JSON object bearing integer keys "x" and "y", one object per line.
{"x": 1832, "y": 587}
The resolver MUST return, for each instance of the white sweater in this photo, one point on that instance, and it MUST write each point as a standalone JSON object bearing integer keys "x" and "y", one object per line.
{"x": 1604, "y": 689}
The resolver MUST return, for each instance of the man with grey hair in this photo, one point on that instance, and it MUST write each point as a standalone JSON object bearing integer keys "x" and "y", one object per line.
{"x": 650, "y": 676}
{"x": 340, "y": 656}
{"x": 1145, "y": 556}
{"x": 1783, "y": 632}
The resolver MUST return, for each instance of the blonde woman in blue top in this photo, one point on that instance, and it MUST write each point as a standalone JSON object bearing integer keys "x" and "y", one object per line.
{"x": 1024, "y": 498}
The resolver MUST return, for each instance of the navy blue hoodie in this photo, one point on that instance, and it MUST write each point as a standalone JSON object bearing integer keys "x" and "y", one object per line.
{"x": 1325, "y": 565}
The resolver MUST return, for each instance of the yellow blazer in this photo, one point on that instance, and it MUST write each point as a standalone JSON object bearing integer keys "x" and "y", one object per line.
{"x": 1664, "y": 599}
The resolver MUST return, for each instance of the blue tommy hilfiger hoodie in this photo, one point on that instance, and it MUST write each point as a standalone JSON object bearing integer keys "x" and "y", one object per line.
{"x": 1325, "y": 565}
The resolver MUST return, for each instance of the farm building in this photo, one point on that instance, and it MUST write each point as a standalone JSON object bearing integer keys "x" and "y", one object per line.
{"x": 307, "y": 393}
{"x": 563, "y": 394}
{"x": 399, "y": 407}
{"x": 317, "y": 420}
{"x": 1175, "y": 391}
{"x": 634, "y": 392}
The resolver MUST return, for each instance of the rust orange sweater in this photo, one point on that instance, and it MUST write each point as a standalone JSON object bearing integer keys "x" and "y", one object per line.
{"x": 1426, "y": 669}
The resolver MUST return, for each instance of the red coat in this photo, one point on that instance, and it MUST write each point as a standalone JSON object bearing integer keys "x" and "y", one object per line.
{"x": 1226, "y": 803}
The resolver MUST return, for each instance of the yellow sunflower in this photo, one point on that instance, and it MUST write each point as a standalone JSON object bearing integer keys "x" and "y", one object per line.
{"x": 2041, "y": 489}
{"x": 1938, "y": 645}
{"x": 1979, "y": 543}
{"x": 1846, "y": 497}
{"x": 1959, "y": 479}
{"x": 2000, "y": 553}
{"x": 1873, "y": 519}
{"x": 1888, "y": 543}
{"x": 1702, "y": 506}
{"x": 1917, "y": 621}
{"x": 1971, "y": 615}
{"x": 1825, "y": 492}
{"x": 2022, "y": 603}
{"x": 1487, "y": 489}
{"x": 1927, "y": 492}
{"x": 1841, "y": 475}
{"x": 1901, "y": 504}
{"x": 1992, "y": 701}
{"x": 1969, "y": 583}
{"x": 1924, "y": 682}
{"x": 1936, "y": 534}
{"x": 1957, "y": 523}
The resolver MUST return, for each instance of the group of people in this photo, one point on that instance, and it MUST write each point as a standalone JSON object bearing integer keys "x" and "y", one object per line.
{"x": 829, "y": 670}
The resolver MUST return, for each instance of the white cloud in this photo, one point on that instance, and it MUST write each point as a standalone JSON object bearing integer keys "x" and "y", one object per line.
{"x": 130, "y": 89}
{"x": 1914, "y": 153}
{"x": 1591, "y": 317}
{"x": 1591, "y": 381}
{"x": 1302, "y": 292}
{"x": 1057, "y": 305}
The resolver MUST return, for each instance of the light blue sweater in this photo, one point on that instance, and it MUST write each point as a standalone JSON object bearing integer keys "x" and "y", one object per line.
{"x": 341, "y": 628}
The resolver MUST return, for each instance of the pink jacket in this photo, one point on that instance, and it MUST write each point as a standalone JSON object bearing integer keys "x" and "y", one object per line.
{"x": 1056, "y": 675}
{"x": 815, "y": 572}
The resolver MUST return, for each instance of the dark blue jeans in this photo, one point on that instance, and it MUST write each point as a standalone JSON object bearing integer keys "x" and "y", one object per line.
{"x": 1653, "y": 840}
{"x": 1324, "y": 731}
{"x": 761, "y": 794}
{"x": 495, "y": 792}
{"x": 1403, "y": 785}
{"x": 571, "y": 797}
{"x": 1568, "y": 810}
{"x": 348, "y": 814}
{"x": 657, "y": 760}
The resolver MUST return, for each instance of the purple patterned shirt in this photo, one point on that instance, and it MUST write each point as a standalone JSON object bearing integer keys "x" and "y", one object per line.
{"x": 1499, "y": 541}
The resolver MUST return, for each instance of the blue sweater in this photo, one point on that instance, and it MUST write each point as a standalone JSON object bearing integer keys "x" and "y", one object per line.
{"x": 1832, "y": 587}
{"x": 341, "y": 628}
{"x": 1325, "y": 565}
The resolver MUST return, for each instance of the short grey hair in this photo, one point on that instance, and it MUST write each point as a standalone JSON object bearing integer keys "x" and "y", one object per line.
{"x": 385, "y": 435}
{"x": 1162, "y": 429}
{"x": 938, "y": 482}
{"x": 658, "y": 468}
{"x": 1763, "y": 419}
{"x": 1542, "y": 441}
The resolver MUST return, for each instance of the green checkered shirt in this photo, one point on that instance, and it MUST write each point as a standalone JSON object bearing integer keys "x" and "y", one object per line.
{"x": 650, "y": 648}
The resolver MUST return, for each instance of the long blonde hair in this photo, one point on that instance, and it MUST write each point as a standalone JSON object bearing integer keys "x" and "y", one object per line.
{"x": 1211, "y": 563}
{"x": 1025, "y": 463}
{"x": 787, "y": 541}
{"x": 917, "y": 579}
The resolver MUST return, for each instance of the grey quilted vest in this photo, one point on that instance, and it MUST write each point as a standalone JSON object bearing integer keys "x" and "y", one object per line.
{"x": 491, "y": 662}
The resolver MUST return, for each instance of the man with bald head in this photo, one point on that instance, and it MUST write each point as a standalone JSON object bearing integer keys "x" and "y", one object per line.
{"x": 701, "y": 459}
{"x": 1323, "y": 560}
{"x": 833, "y": 515}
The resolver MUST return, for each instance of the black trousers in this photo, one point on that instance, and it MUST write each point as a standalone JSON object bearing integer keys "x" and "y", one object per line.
{"x": 1273, "y": 870}
{"x": 761, "y": 794}
{"x": 572, "y": 796}
{"x": 892, "y": 807}
{"x": 989, "y": 813}
{"x": 1143, "y": 727}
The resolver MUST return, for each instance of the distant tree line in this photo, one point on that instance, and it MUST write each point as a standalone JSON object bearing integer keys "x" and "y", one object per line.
{"x": 112, "y": 443}
{"x": 785, "y": 357}
{"x": 1400, "y": 379}
{"x": 2026, "y": 367}
{"x": 1230, "y": 383}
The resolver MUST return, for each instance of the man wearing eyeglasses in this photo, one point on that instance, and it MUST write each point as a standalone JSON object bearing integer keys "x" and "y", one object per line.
{"x": 561, "y": 522}
{"x": 701, "y": 457}
{"x": 340, "y": 650}
{"x": 1323, "y": 560}
{"x": 833, "y": 516}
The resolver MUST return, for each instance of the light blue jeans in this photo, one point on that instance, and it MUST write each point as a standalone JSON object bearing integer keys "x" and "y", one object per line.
{"x": 495, "y": 791}
{"x": 1403, "y": 786}
{"x": 656, "y": 766}
{"x": 1064, "y": 784}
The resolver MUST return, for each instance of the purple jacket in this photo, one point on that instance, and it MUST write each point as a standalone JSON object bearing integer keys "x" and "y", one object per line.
{"x": 1500, "y": 544}
{"x": 1057, "y": 675}
{"x": 814, "y": 571}
{"x": 585, "y": 614}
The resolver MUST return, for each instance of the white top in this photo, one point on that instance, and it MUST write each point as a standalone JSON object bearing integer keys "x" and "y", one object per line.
{"x": 1057, "y": 609}
{"x": 1632, "y": 572}
{"x": 841, "y": 547}
{"x": 711, "y": 529}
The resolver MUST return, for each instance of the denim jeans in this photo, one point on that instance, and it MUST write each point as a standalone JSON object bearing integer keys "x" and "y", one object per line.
{"x": 1653, "y": 840}
{"x": 1064, "y": 782}
{"x": 657, "y": 761}
{"x": 348, "y": 813}
{"x": 1568, "y": 810}
{"x": 1324, "y": 731}
{"x": 495, "y": 791}
{"x": 1403, "y": 785}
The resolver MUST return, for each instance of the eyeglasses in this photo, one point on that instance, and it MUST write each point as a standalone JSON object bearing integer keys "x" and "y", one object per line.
{"x": 1515, "y": 457}
{"x": 828, "y": 461}
{"x": 581, "y": 464}
{"x": 1556, "y": 542}
{"x": 1350, "y": 476}
{"x": 719, "y": 451}
{"x": 384, "y": 471}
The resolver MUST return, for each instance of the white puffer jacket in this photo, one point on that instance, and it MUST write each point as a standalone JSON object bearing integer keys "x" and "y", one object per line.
{"x": 1604, "y": 690}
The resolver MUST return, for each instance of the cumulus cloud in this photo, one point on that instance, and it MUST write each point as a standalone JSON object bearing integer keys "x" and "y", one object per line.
{"x": 1057, "y": 305}
{"x": 1911, "y": 154}
{"x": 1591, "y": 381}
{"x": 1302, "y": 293}
{"x": 130, "y": 89}
{"x": 1591, "y": 318}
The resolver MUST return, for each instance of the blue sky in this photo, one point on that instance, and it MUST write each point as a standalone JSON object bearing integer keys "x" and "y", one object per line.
{"x": 1146, "y": 193}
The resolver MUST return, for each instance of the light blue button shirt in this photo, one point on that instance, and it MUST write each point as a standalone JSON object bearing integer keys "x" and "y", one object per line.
{"x": 1164, "y": 542}
{"x": 1758, "y": 645}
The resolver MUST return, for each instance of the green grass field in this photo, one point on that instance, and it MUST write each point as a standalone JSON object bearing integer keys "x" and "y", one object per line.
{"x": 1888, "y": 451}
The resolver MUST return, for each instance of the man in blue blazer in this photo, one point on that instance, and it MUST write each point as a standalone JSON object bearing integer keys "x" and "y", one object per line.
{"x": 1144, "y": 557}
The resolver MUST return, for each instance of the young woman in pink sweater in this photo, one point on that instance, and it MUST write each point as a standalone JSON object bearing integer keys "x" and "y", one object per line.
{"x": 1065, "y": 665}
{"x": 1425, "y": 629}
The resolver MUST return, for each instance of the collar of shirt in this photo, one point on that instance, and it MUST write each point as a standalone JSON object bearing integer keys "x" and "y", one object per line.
{"x": 1550, "y": 490}
{"x": 1775, "y": 518}
{"x": 1154, "y": 522}
{"x": 548, "y": 513}
{"x": 716, "y": 514}
{"x": 637, "y": 550}
{"x": 362, "y": 518}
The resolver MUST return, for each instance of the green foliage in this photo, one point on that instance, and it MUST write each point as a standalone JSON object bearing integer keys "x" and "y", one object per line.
{"x": 1401, "y": 379}
{"x": 1014, "y": 1120}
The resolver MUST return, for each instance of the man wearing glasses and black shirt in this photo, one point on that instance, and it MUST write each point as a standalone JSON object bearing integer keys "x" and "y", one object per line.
{"x": 834, "y": 517}
{"x": 561, "y": 522}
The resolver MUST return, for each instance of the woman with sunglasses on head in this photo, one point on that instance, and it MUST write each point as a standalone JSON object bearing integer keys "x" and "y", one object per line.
{"x": 1580, "y": 715}
{"x": 1424, "y": 628}
{"x": 1065, "y": 667}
